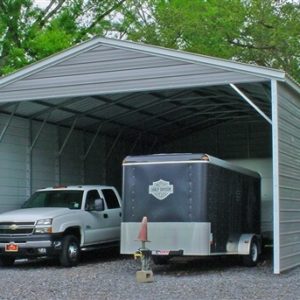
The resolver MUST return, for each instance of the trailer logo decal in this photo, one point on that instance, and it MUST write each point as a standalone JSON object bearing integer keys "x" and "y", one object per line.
{"x": 161, "y": 189}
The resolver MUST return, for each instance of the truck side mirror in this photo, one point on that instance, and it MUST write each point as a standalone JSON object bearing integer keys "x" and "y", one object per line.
{"x": 99, "y": 204}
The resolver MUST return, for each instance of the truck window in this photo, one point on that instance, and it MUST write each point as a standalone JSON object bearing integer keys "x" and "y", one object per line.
{"x": 63, "y": 198}
{"x": 110, "y": 198}
{"x": 90, "y": 199}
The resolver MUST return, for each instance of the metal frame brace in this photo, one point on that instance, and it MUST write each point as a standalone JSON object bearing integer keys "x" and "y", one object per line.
{"x": 251, "y": 103}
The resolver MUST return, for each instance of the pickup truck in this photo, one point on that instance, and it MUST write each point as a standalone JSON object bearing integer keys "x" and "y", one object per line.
{"x": 61, "y": 222}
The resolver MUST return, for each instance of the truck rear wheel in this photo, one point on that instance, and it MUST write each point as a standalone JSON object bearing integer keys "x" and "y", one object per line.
{"x": 7, "y": 261}
{"x": 70, "y": 254}
{"x": 252, "y": 258}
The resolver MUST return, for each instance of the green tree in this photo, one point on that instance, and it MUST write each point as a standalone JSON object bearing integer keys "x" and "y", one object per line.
{"x": 29, "y": 33}
{"x": 263, "y": 32}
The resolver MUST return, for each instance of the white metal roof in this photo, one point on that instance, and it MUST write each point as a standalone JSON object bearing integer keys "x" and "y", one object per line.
{"x": 112, "y": 84}
{"x": 153, "y": 50}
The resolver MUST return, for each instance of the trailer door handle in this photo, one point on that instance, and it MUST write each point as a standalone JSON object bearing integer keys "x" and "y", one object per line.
{"x": 105, "y": 216}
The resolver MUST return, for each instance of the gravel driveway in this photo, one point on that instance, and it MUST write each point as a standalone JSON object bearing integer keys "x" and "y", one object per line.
{"x": 108, "y": 276}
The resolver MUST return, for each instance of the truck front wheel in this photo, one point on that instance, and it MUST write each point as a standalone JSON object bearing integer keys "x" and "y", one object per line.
{"x": 252, "y": 258}
{"x": 7, "y": 261}
{"x": 70, "y": 254}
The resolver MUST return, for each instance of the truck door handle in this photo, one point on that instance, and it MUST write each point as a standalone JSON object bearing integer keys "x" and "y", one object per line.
{"x": 105, "y": 216}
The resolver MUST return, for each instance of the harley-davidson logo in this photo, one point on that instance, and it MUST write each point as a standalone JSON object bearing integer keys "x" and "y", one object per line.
{"x": 161, "y": 189}
{"x": 13, "y": 227}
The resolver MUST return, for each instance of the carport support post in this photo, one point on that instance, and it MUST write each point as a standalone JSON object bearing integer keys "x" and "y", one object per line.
{"x": 276, "y": 207}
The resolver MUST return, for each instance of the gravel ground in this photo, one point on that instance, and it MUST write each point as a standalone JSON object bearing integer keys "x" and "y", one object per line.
{"x": 105, "y": 275}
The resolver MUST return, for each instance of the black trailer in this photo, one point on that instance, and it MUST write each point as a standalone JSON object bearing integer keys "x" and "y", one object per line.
{"x": 196, "y": 205}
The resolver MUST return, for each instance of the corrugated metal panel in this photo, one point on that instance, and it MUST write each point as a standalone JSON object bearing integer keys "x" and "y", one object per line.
{"x": 108, "y": 55}
{"x": 13, "y": 163}
{"x": 46, "y": 168}
{"x": 228, "y": 141}
{"x": 59, "y": 115}
{"x": 289, "y": 177}
{"x": 118, "y": 70}
{"x": 102, "y": 65}
{"x": 125, "y": 85}
{"x": 86, "y": 122}
{"x": 95, "y": 164}
{"x": 102, "y": 77}
{"x": 88, "y": 103}
{"x": 43, "y": 156}
{"x": 70, "y": 161}
{"x": 25, "y": 109}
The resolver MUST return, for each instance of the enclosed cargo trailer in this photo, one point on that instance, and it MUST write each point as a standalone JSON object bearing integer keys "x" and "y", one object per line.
{"x": 196, "y": 205}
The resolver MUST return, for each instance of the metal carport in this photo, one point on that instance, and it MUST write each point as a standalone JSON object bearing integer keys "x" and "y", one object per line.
{"x": 72, "y": 118}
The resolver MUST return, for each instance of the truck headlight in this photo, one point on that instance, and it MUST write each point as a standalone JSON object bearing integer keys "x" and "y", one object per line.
{"x": 44, "y": 222}
{"x": 42, "y": 230}
{"x": 43, "y": 226}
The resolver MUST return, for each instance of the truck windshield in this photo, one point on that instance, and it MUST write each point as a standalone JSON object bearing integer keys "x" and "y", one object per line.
{"x": 68, "y": 199}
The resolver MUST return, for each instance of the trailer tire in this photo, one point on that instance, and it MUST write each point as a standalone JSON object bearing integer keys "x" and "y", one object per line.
{"x": 70, "y": 254}
{"x": 160, "y": 260}
{"x": 252, "y": 258}
{"x": 7, "y": 261}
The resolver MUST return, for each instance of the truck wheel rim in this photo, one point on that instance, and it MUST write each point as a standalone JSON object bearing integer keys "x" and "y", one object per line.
{"x": 254, "y": 252}
{"x": 73, "y": 251}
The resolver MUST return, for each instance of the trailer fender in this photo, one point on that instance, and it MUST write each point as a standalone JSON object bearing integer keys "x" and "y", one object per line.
{"x": 245, "y": 243}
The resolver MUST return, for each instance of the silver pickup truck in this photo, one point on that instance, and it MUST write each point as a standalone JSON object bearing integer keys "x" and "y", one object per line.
{"x": 61, "y": 222}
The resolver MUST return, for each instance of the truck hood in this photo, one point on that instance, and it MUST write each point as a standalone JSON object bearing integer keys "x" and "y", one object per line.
{"x": 33, "y": 214}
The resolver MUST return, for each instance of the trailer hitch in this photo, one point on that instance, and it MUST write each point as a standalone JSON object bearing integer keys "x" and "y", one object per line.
{"x": 144, "y": 255}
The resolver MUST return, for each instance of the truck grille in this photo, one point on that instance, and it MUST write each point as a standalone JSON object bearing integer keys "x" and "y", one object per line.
{"x": 12, "y": 228}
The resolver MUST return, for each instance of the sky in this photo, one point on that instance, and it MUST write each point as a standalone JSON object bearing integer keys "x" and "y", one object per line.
{"x": 42, "y": 3}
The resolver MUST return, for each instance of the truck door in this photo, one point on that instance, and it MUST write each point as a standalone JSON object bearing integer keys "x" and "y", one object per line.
{"x": 97, "y": 223}
{"x": 113, "y": 212}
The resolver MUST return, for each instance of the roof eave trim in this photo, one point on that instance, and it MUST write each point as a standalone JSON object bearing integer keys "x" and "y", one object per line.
{"x": 292, "y": 83}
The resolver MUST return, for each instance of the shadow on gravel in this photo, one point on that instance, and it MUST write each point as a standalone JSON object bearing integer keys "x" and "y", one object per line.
{"x": 91, "y": 257}
{"x": 195, "y": 266}
{"x": 100, "y": 256}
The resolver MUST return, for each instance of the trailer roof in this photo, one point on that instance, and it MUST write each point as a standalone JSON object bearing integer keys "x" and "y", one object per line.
{"x": 183, "y": 158}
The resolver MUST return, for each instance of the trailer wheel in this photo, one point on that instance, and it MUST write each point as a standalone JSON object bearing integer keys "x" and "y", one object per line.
{"x": 70, "y": 254}
{"x": 160, "y": 260}
{"x": 7, "y": 261}
{"x": 252, "y": 258}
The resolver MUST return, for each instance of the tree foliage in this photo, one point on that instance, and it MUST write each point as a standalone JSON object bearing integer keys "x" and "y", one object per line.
{"x": 29, "y": 33}
{"x": 263, "y": 32}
